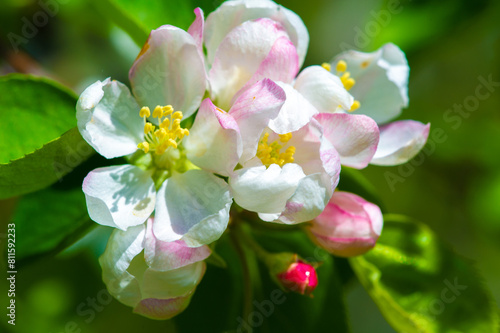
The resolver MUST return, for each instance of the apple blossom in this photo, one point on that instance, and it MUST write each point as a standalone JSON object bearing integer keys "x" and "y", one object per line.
{"x": 379, "y": 81}
{"x": 157, "y": 279}
{"x": 189, "y": 203}
{"x": 348, "y": 226}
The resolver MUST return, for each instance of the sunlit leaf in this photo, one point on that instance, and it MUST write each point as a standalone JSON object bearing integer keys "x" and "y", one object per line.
{"x": 422, "y": 286}
{"x": 33, "y": 111}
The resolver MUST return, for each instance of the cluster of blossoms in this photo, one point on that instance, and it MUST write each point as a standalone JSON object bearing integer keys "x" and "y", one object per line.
{"x": 267, "y": 137}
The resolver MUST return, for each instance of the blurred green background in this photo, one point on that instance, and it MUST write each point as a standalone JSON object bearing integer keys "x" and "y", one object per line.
{"x": 453, "y": 186}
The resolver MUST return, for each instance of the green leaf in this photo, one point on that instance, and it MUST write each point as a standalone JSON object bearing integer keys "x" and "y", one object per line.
{"x": 49, "y": 221}
{"x": 44, "y": 166}
{"x": 422, "y": 286}
{"x": 138, "y": 18}
{"x": 33, "y": 111}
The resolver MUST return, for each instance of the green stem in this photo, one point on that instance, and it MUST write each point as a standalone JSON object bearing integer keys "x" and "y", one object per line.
{"x": 247, "y": 283}
{"x": 262, "y": 254}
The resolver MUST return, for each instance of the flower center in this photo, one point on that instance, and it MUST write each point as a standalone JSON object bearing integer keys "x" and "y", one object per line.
{"x": 345, "y": 78}
{"x": 169, "y": 134}
{"x": 270, "y": 153}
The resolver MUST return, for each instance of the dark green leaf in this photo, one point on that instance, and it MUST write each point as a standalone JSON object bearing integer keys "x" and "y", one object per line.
{"x": 33, "y": 111}
{"x": 44, "y": 166}
{"x": 49, "y": 220}
{"x": 420, "y": 285}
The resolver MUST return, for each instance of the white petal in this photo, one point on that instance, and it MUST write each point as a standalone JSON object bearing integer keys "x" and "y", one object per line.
{"x": 173, "y": 283}
{"x": 294, "y": 114}
{"x": 400, "y": 141}
{"x": 323, "y": 89}
{"x": 265, "y": 190}
{"x": 355, "y": 137}
{"x": 239, "y": 56}
{"x": 169, "y": 71}
{"x": 119, "y": 196}
{"x": 232, "y": 13}
{"x": 164, "y": 256}
{"x": 193, "y": 206}
{"x": 122, "y": 248}
{"x": 214, "y": 141}
{"x": 381, "y": 81}
{"x": 108, "y": 119}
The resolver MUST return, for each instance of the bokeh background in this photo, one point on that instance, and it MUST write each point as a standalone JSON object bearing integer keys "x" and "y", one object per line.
{"x": 453, "y": 186}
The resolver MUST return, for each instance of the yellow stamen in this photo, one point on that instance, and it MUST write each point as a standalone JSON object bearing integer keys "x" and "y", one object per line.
{"x": 326, "y": 66}
{"x": 270, "y": 153}
{"x": 148, "y": 127}
{"x": 341, "y": 66}
{"x": 365, "y": 64}
{"x": 145, "y": 112}
{"x": 169, "y": 134}
{"x": 349, "y": 83}
{"x": 158, "y": 112}
{"x": 144, "y": 146}
{"x": 355, "y": 105}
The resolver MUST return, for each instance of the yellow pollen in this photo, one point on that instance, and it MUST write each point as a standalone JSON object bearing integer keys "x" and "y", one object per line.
{"x": 355, "y": 106}
{"x": 148, "y": 127}
{"x": 365, "y": 64}
{"x": 341, "y": 66}
{"x": 144, "y": 146}
{"x": 326, "y": 66}
{"x": 169, "y": 134}
{"x": 145, "y": 112}
{"x": 270, "y": 153}
{"x": 349, "y": 83}
{"x": 158, "y": 112}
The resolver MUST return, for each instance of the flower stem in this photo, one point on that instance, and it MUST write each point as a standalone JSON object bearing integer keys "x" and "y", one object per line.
{"x": 247, "y": 283}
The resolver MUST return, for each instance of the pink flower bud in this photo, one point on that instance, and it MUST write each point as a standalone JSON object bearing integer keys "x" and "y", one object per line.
{"x": 300, "y": 277}
{"x": 349, "y": 225}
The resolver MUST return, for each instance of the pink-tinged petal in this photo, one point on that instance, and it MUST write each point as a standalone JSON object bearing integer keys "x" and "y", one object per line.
{"x": 232, "y": 13}
{"x": 162, "y": 309}
{"x": 348, "y": 226}
{"x": 239, "y": 57}
{"x": 169, "y": 71}
{"x": 196, "y": 30}
{"x": 253, "y": 110}
{"x": 214, "y": 142}
{"x": 400, "y": 141}
{"x": 119, "y": 196}
{"x": 192, "y": 206}
{"x": 164, "y": 256}
{"x": 381, "y": 81}
{"x": 265, "y": 190}
{"x": 355, "y": 137}
{"x": 281, "y": 65}
{"x": 122, "y": 248}
{"x": 323, "y": 89}
{"x": 295, "y": 113}
{"x": 108, "y": 119}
